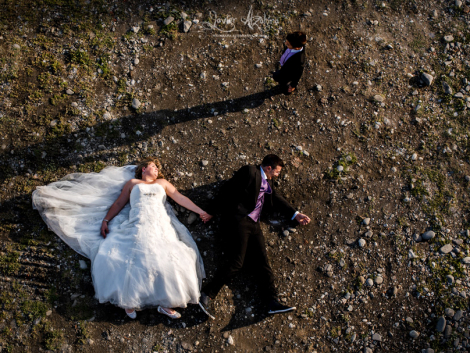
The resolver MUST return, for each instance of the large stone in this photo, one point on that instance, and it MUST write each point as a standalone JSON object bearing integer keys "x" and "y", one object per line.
{"x": 428, "y": 235}
{"x": 446, "y": 249}
{"x": 441, "y": 324}
{"x": 427, "y": 78}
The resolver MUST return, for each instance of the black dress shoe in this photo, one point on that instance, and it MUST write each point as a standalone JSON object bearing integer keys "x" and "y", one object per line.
{"x": 206, "y": 305}
{"x": 277, "y": 308}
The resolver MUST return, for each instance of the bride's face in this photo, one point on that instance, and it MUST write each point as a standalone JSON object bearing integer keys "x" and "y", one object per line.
{"x": 151, "y": 170}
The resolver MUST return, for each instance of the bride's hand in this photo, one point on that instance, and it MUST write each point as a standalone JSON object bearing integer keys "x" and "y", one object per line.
{"x": 104, "y": 229}
{"x": 206, "y": 217}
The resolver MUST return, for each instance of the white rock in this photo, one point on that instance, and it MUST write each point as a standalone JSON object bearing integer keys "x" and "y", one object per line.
{"x": 16, "y": 46}
{"x": 369, "y": 282}
{"x": 340, "y": 168}
{"x": 136, "y": 103}
{"x": 187, "y": 26}
{"x": 379, "y": 280}
{"x": 414, "y": 334}
{"x": 466, "y": 260}
{"x": 230, "y": 340}
{"x": 414, "y": 157}
{"x": 83, "y": 264}
{"x": 168, "y": 20}
{"x": 361, "y": 242}
{"x": 69, "y": 92}
{"x": 449, "y": 38}
{"x": 135, "y": 29}
{"x": 427, "y": 78}
{"x": 136, "y": 61}
{"x": 366, "y": 221}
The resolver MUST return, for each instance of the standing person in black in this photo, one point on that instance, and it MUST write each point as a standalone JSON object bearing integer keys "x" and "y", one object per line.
{"x": 240, "y": 202}
{"x": 292, "y": 62}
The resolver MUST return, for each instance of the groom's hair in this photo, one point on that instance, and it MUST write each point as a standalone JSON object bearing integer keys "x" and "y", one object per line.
{"x": 297, "y": 39}
{"x": 271, "y": 160}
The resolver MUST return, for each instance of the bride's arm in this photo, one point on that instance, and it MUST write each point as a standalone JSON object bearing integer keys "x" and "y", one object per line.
{"x": 184, "y": 201}
{"x": 117, "y": 206}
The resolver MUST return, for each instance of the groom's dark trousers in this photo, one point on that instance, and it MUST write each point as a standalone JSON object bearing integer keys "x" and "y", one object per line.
{"x": 243, "y": 238}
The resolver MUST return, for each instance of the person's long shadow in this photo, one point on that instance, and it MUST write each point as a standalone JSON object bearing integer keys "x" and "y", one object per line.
{"x": 64, "y": 149}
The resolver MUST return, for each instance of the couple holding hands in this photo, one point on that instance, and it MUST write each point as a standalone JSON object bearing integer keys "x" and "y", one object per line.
{"x": 143, "y": 256}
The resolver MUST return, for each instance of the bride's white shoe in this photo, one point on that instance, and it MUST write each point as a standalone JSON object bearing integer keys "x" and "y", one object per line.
{"x": 132, "y": 314}
{"x": 176, "y": 314}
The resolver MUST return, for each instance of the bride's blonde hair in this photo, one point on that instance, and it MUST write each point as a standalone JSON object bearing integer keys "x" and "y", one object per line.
{"x": 145, "y": 163}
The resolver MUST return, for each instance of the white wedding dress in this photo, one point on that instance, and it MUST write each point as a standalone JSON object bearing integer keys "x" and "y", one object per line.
{"x": 148, "y": 257}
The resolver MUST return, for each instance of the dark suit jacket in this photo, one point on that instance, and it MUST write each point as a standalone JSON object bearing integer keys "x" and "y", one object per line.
{"x": 292, "y": 69}
{"x": 238, "y": 196}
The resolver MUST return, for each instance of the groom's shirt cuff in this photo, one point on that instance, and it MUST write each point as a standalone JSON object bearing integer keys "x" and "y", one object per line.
{"x": 295, "y": 214}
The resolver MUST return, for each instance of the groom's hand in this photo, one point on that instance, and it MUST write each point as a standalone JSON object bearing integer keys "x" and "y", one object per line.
{"x": 302, "y": 219}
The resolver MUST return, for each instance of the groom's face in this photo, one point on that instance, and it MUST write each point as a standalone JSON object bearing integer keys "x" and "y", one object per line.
{"x": 272, "y": 172}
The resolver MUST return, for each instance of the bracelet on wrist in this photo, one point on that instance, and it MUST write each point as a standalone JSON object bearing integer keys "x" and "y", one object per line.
{"x": 105, "y": 220}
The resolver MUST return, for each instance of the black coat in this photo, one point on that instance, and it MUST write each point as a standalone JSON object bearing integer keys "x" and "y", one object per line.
{"x": 238, "y": 196}
{"x": 292, "y": 69}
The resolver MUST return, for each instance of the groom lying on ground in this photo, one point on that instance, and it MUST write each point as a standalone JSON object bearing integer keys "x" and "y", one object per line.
{"x": 240, "y": 202}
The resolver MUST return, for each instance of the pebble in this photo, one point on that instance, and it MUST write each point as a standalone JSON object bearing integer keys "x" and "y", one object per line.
{"x": 428, "y": 235}
{"x": 230, "y": 341}
{"x": 83, "y": 264}
{"x": 366, "y": 221}
{"x": 427, "y": 79}
{"x": 447, "y": 88}
{"x": 441, "y": 324}
{"x": 168, "y": 20}
{"x": 187, "y": 26}
{"x": 379, "y": 280}
{"x": 136, "y": 103}
{"x": 69, "y": 92}
{"x": 135, "y": 29}
{"x": 361, "y": 243}
{"x": 450, "y": 279}
{"x": 368, "y": 350}
{"x": 107, "y": 116}
{"x": 447, "y": 331}
{"x": 446, "y": 249}
{"x": 369, "y": 282}
{"x": 466, "y": 260}
{"x": 449, "y": 312}
{"x": 458, "y": 315}
{"x": 136, "y": 61}
{"x": 379, "y": 98}
{"x": 449, "y": 38}
{"x": 414, "y": 157}
{"x": 414, "y": 334}
{"x": 340, "y": 168}
{"x": 16, "y": 46}
{"x": 192, "y": 218}
{"x": 49, "y": 313}
{"x": 204, "y": 163}
{"x": 377, "y": 337}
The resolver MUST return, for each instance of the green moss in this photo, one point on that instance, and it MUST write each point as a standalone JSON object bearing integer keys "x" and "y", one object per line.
{"x": 9, "y": 263}
{"x": 34, "y": 309}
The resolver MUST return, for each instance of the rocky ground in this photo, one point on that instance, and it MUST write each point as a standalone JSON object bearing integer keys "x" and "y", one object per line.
{"x": 375, "y": 139}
